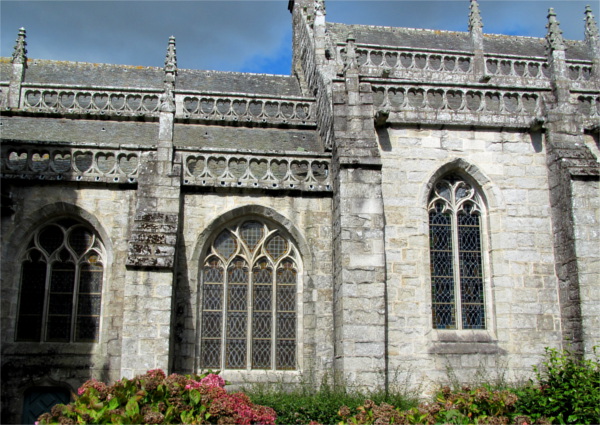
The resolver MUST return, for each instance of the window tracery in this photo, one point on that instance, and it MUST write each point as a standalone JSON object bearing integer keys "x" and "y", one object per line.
{"x": 61, "y": 284}
{"x": 249, "y": 286}
{"x": 455, "y": 211}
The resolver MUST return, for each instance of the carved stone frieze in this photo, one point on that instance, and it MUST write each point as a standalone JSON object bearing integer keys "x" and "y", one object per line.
{"x": 304, "y": 173}
{"x": 93, "y": 102}
{"x": 69, "y": 163}
{"x": 245, "y": 109}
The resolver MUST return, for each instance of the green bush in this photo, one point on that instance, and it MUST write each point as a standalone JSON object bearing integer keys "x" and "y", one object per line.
{"x": 302, "y": 404}
{"x": 567, "y": 389}
{"x": 154, "y": 398}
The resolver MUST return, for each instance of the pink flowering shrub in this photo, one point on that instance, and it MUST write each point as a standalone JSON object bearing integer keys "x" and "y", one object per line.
{"x": 154, "y": 398}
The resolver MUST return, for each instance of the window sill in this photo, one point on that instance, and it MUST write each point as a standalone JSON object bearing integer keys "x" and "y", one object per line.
{"x": 464, "y": 342}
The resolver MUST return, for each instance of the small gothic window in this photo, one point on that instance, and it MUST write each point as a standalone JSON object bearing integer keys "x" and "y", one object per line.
{"x": 61, "y": 284}
{"x": 249, "y": 285}
{"x": 455, "y": 211}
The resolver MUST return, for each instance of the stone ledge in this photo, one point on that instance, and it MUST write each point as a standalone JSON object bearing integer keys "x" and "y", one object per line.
{"x": 465, "y": 348}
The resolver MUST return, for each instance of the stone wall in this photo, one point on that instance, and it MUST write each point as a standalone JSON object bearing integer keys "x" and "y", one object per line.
{"x": 24, "y": 364}
{"x": 307, "y": 220}
{"x": 522, "y": 314}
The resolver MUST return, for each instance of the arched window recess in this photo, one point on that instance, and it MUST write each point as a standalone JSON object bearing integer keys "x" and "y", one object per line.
{"x": 249, "y": 283}
{"x": 455, "y": 210}
{"x": 61, "y": 284}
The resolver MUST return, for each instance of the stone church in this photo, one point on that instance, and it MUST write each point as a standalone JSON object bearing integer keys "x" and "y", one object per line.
{"x": 407, "y": 201}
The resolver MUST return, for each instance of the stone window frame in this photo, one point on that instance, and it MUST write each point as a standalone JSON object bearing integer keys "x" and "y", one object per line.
{"x": 451, "y": 198}
{"x": 94, "y": 254}
{"x": 294, "y": 253}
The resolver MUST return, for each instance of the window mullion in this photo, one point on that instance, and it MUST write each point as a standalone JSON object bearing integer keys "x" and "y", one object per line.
{"x": 249, "y": 315}
{"x": 224, "y": 312}
{"x": 46, "y": 300}
{"x": 456, "y": 267}
{"x": 75, "y": 309}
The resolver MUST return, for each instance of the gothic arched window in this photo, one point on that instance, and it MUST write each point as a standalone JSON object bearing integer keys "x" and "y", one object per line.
{"x": 249, "y": 283}
{"x": 457, "y": 290}
{"x": 61, "y": 284}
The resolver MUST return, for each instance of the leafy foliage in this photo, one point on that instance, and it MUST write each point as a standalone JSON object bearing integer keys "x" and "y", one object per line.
{"x": 154, "y": 398}
{"x": 567, "y": 389}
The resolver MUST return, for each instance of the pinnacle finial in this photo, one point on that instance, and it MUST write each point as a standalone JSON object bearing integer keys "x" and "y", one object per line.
{"x": 167, "y": 101}
{"x": 171, "y": 59}
{"x": 20, "y": 53}
{"x": 591, "y": 29}
{"x": 475, "y": 21}
{"x": 554, "y": 35}
{"x": 350, "y": 61}
{"x": 320, "y": 7}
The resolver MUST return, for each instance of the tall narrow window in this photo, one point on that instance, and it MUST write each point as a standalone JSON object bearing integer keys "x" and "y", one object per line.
{"x": 455, "y": 252}
{"x": 249, "y": 285}
{"x": 61, "y": 284}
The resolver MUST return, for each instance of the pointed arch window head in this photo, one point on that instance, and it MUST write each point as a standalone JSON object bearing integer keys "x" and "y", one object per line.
{"x": 249, "y": 286}
{"x": 61, "y": 284}
{"x": 455, "y": 210}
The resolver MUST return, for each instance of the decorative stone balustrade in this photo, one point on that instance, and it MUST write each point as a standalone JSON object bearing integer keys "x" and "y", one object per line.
{"x": 475, "y": 105}
{"x": 517, "y": 67}
{"x": 70, "y": 163}
{"x": 245, "y": 109}
{"x": 390, "y": 58}
{"x": 281, "y": 172}
{"x": 92, "y": 102}
{"x": 588, "y": 105}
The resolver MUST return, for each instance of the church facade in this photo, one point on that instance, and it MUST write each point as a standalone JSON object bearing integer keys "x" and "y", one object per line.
{"x": 406, "y": 202}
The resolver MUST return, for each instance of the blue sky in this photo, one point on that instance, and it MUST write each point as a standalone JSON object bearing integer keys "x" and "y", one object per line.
{"x": 247, "y": 36}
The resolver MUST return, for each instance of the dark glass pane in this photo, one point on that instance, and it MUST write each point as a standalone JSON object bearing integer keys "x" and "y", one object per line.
{"x": 60, "y": 304}
{"x": 277, "y": 247}
{"x": 237, "y": 297}
{"x": 237, "y": 271}
{"x": 262, "y": 297}
{"x": 213, "y": 297}
{"x": 252, "y": 233}
{"x": 29, "y": 327}
{"x": 51, "y": 238}
{"x": 261, "y": 325}
{"x": 86, "y": 329}
{"x": 33, "y": 282}
{"x": 262, "y": 273}
{"x": 285, "y": 350}
{"x": 90, "y": 279}
{"x": 88, "y": 305}
{"x": 58, "y": 328}
{"x": 80, "y": 239}
{"x": 62, "y": 277}
{"x": 473, "y": 316}
{"x": 211, "y": 353}
{"x": 444, "y": 316}
{"x": 286, "y": 274}
{"x": 286, "y": 298}
{"x": 235, "y": 357}
{"x": 236, "y": 325}
{"x": 261, "y": 354}
{"x": 286, "y": 325}
{"x": 212, "y": 324}
{"x": 213, "y": 272}
{"x": 225, "y": 244}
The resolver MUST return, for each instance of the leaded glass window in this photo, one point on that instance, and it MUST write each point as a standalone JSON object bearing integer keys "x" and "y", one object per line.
{"x": 61, "y": 284}
{"x": 249, "y": 292}
{"x": 457, "y": 292}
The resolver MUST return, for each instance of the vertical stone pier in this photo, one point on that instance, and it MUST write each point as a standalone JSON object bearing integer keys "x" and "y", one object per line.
{"x": 151, "y": 259}
{"x": 359, "y": 251}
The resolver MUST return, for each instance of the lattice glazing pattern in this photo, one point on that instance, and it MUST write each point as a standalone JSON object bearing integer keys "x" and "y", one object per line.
{"x": 249, "y": 313}
{"x": 61, "y": 284}
{"x": 455, "y": 255}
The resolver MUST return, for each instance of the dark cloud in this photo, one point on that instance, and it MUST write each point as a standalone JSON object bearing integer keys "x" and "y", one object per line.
{"x": 250, "y": 36}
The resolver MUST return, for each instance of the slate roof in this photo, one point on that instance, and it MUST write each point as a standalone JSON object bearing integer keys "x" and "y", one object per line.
{"x": 41, "y": 71}
{"x": 450, "y": 40}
